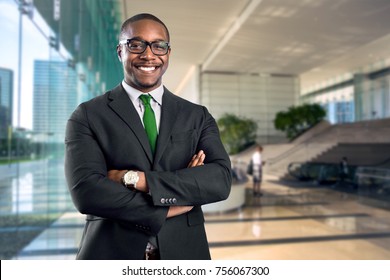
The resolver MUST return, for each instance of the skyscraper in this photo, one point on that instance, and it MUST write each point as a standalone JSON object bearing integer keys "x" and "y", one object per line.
{"x": 55, "y": 98}
{"x": 6, "y": 101}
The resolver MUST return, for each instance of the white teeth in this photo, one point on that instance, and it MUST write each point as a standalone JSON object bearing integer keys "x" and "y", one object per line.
{"x": 146, "y": 68}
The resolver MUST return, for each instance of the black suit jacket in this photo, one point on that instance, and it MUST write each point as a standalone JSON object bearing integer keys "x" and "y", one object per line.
{"x": 106, "y": 133}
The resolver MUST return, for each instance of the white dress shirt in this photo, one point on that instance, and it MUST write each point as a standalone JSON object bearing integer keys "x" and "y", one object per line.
{"x": 155, "y": 101}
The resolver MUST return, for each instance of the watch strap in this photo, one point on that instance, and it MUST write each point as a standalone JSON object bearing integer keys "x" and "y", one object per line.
{"x": 123, "y": 178}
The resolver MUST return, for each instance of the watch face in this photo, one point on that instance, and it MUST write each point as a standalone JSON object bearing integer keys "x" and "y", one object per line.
{"x": 131, "y": 178}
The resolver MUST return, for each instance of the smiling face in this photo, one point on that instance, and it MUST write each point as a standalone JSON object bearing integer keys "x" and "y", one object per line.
{"x": 144, "y": 71}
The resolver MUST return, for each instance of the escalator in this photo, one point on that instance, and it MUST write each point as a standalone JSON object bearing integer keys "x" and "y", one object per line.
{"x": 370, "y": 183}
{"x": 320, "y": 172}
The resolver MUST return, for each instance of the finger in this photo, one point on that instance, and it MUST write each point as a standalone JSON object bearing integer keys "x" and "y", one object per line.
{"x": 201, "y": 160}
{"x": 190, "y": 164}
{"x": 195, "y": 159}
{"x": 199, "y": 157}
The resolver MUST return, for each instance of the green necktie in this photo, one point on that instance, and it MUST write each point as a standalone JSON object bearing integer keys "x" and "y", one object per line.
{"x": 149, "y": 121}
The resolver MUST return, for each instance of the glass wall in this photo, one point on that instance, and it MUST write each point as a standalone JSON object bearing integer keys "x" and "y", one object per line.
{"x": 373, "y": 91}
{"x": 364, "y": 96}
{"x": 54, "y": 55}
{"x": 251, "y": 96}
{"x": 339, "y": 103}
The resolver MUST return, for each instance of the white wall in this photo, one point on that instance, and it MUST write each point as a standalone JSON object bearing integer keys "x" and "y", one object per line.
{"x": 252, "y": 96}
{"x": 189, "y": 87}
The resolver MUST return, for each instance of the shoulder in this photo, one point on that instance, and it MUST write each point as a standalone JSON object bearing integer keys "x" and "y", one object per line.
{"x": 184, "y": 103}
{"x": 96, "y": 104}
{"x": 104, "y": 98}
{"x": 174, "y": 97}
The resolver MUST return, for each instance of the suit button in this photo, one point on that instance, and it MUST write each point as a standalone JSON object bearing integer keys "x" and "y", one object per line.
{"x": 174, "y": 201}
{"x": 170, "y": 201}
{"x": 162, "y": 200}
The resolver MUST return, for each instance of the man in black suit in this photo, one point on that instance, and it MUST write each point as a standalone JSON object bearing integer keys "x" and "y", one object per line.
{"x": 142, "y": 193}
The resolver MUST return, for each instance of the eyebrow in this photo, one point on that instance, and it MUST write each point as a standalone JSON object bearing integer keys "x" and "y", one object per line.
{"x": 139, "y": 38}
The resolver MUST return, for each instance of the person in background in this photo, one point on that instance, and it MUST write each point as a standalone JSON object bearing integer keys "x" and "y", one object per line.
{"x": 141, "y": 161}
{"x": 343, "y": 169}
{"x": 257, "y": 170}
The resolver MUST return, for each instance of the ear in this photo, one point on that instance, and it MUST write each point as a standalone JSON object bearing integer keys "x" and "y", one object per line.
{"x": 119, "y": 52}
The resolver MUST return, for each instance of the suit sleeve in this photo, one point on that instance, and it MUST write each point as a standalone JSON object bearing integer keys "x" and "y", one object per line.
{"x": 91, "y": 190}
{"x": 198, "y": 185}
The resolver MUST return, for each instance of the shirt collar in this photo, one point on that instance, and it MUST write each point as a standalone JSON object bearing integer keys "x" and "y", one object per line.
{"x": 134, "y": 94}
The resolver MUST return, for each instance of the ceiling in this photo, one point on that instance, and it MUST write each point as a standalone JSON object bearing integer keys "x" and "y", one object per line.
{"x": 313, "y": 39}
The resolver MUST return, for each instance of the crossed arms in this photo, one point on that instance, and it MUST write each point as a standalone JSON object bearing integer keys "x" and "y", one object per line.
{"x": 142, "y": 186}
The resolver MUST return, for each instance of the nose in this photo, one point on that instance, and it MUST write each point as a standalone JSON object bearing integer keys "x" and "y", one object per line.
{"x": 148, "y": 54}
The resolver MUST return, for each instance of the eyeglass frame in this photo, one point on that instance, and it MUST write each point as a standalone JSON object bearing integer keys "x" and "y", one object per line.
{"x": 147, "y": 43}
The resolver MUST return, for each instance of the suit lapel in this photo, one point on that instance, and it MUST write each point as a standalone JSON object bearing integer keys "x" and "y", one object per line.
{"x": 123, "y": 107}
{"x": 169, "y": 114}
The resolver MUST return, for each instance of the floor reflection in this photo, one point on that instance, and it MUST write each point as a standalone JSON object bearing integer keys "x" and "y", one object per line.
{"x": 32, "y": 196}
{"x": 290, "y": 221}
{"x": 22, "y": 193}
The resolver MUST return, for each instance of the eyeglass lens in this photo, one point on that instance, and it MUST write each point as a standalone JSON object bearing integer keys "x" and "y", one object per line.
{"x": 138, "y": 46}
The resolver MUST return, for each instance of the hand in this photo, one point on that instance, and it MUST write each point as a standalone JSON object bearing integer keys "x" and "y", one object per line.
{"x": 197, "y": 159}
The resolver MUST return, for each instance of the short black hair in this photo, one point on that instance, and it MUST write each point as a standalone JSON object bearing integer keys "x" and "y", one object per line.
{"x": 139, "y": 17}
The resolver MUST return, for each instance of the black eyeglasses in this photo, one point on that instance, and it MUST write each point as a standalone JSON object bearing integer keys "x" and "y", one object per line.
{"x": 138, "y": 46}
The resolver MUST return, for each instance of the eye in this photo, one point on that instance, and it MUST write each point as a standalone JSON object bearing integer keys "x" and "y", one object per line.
{"x": 160, "y": 47}
{"x": 136, "y": 45}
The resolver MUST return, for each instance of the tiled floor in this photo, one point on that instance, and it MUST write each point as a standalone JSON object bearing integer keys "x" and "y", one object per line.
{"x": 302, "y": 223}
{"x": 299, "y": 221}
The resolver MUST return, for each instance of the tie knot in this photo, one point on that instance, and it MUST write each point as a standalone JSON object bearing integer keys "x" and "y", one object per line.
{"x": 145, "y": 98}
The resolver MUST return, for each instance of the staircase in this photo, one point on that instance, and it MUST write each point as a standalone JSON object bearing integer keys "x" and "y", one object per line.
{"x": 363, "y": 143}
{"x": 362, "y": 154}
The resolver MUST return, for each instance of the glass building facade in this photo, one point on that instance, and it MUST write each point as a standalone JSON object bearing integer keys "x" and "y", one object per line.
{"x": 55, "y": 97}
{"x": 55, "y": 54}
{"x": 6, "y": 104}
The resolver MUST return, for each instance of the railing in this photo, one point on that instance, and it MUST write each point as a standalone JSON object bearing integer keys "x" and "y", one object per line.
{"x": 373, "y": 176}
{"x": 322, "y": 173}
{"x": 374, "y": 182}
{"x": 369, "y": 181}
{"x": 303, "y": 141}
{"x": 310, "y": 150}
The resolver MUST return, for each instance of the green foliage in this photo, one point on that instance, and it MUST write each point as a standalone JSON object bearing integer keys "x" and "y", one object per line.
{"x": 237, "y": 133}
{"x": 298, "y": 119}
